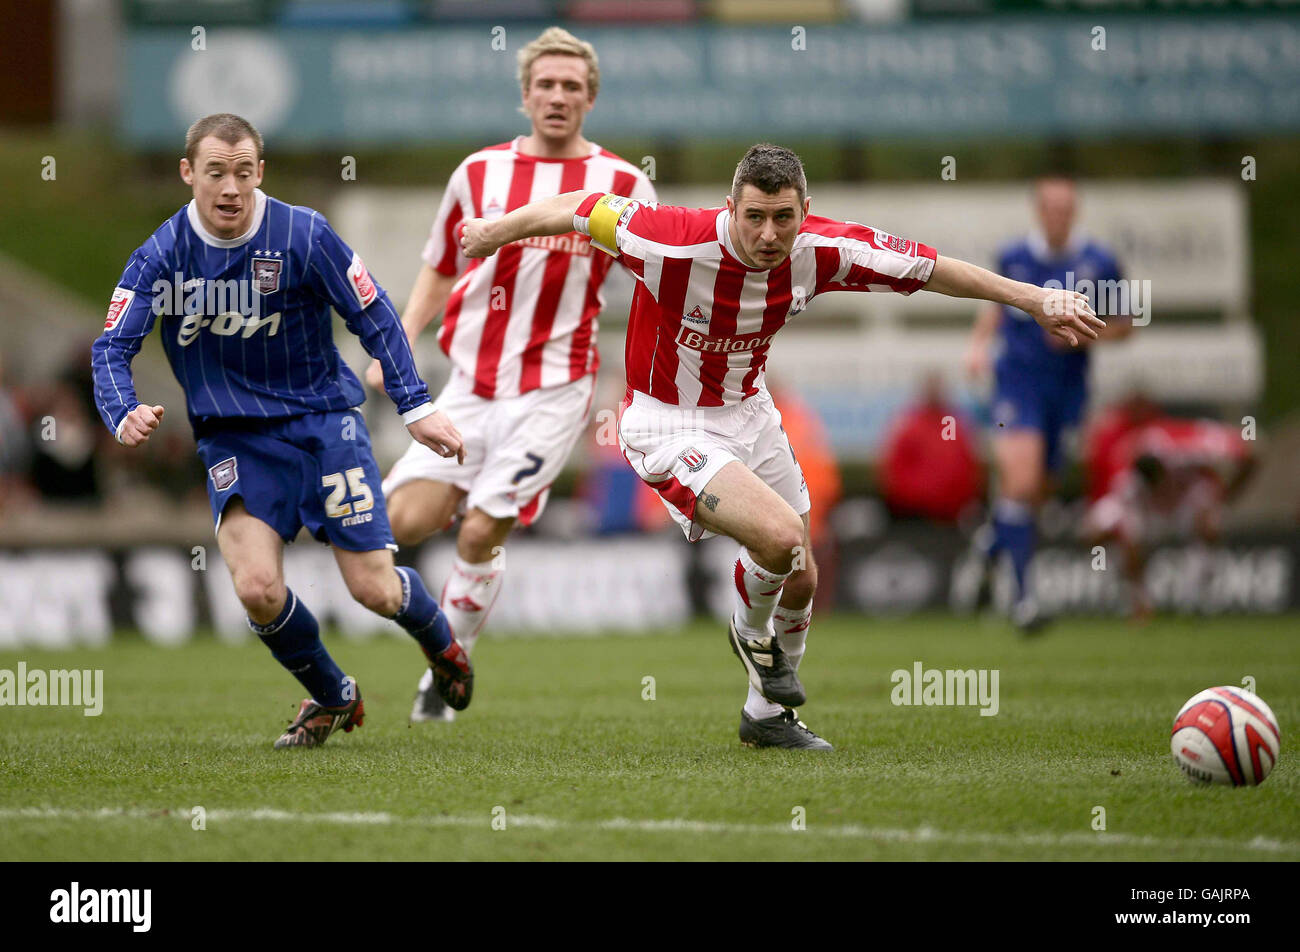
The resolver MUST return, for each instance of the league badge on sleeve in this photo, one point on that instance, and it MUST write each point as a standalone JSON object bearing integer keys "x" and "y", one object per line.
{"x": 362, "y": 285}
{"x": 266, "y": 274}
{"x": 117, "y": 306}
{"x": 892, "y": 242}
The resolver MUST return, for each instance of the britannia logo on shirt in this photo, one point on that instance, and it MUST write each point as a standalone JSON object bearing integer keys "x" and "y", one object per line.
{"x": 266, "y": 272}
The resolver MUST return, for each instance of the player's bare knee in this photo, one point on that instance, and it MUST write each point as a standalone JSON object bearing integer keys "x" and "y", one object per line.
{"x": 381, "y": 591}
{"x": 261, "y": 592}
{"x": 481, "y": 535}
{"x": 783, "y": 542}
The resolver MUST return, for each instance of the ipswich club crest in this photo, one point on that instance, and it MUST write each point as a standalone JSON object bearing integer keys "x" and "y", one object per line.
{"x": 266, "y": 275}
{"x": 224, "y": 474}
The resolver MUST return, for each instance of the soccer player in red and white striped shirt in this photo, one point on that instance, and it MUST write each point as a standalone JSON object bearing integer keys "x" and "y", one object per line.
{"x": 520, "y": 330}
{"x": 713, "y": 287}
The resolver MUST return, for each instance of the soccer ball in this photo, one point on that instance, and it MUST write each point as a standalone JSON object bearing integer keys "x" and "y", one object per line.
{"x": 1225, "y": 735}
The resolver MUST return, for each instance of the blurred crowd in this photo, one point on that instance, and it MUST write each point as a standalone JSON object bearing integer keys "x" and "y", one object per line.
{"x": 54, "y": 451}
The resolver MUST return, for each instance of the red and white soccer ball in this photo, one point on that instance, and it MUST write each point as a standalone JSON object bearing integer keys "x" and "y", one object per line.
{"x": 1225, "y": 735}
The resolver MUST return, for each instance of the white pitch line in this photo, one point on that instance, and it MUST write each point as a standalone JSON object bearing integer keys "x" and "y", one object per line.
{"x": 924, "y": 834}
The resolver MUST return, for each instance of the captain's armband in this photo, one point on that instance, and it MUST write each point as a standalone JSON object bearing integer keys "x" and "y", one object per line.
{"x": 606, "y": 215}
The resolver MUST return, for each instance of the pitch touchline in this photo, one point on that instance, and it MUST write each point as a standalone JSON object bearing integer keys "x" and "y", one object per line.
{"x": 851, "y": 831}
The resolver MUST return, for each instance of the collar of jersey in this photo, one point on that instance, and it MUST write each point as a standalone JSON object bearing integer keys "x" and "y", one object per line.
{"x": 514, "y": 147}
{"x": 259, "y": 209}
{"x": 1037, "y": 243}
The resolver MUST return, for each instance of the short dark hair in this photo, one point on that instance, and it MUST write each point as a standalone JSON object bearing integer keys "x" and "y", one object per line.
{"x": 1150, "y": 468}
{"x": 769, "y": 168}
{"x": 227, "y": 127}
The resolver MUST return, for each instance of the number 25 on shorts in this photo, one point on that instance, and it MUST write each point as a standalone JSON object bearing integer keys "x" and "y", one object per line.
{"x": 355, "y": 486}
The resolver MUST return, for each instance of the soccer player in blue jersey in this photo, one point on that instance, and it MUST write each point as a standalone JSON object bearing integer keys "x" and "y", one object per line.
{"x": 242, "y": 285}
{"x": 1040, "y": 384}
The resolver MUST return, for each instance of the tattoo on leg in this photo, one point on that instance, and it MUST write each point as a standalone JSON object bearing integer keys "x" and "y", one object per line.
{"x": 710, "y": 501}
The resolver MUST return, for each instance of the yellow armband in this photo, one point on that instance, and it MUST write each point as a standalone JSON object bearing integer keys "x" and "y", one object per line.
{"x": 603, "y": 222}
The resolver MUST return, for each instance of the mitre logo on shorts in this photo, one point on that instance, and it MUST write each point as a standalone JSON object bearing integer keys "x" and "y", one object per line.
{"x": 224, "y": 474}
{"x": 696, "y": 316}
{"x": 722, "y": 345}
{"x": 117, "y": 306}
{"x": 266, "y": 274}
{"x": 694, "y": 459}
{"x": 892, "y": 242}
{"x": 362, "y": 286}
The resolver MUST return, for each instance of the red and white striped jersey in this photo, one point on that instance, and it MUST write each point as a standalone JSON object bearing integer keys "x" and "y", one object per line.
{"x": 526, "y": 316}
{"x": 702, "y": 322}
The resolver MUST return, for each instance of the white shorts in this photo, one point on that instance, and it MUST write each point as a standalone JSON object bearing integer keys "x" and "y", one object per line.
{"x": 677, "y": 450}
{"x": 1135, "y": 518}
{"x": 515, "y": 447}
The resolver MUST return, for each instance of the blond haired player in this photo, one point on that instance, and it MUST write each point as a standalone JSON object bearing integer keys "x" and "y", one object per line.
{"x": 713, "y": 288}
{"x": 520, "y": 330}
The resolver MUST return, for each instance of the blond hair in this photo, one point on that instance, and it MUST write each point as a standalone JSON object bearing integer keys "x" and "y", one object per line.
{"x": 557, "y": 41}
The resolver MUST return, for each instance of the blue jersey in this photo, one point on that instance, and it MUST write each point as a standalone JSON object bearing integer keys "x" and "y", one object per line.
{"x": 246, "y": 321}
{"x": 1024, "y": 344}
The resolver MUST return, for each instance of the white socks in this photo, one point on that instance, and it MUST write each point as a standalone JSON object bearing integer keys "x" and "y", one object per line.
{"x": 756, "y": 591}
{"x": 467, "y": 598}
{"x": 792, "y": 633}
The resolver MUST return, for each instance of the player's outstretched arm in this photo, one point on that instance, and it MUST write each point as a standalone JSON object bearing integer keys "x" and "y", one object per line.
{"x": 1066, "y": 315}
{"x": 549, "y": 216}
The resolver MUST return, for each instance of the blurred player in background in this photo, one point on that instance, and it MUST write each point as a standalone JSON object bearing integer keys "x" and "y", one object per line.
{"x": 520, "y": 330}
{"x": 1176, "y": 479}
{"x": 243, "y": 284}
{"x": 698, "y": 425}
{"x": 1040, "y": 382}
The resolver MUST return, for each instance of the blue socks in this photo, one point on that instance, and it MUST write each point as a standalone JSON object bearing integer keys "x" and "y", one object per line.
{"x": 294, "y": 640}
{"x": 420, "y": 614}
{"x": 1014, "y": 533}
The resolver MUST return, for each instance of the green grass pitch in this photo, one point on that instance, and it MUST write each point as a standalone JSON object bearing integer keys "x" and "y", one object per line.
{"x": 561, "y": 749}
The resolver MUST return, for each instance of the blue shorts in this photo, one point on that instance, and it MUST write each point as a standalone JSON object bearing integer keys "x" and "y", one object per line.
{"x": 1051, "y": 405}
{"x": 316, "y": 471}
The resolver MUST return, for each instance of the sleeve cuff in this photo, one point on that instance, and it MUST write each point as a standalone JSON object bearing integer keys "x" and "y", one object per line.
{"x": 418, "y": 413}
{"x": 117, "y": 434}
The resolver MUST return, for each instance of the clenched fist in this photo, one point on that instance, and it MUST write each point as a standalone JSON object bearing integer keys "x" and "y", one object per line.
{"x": 476, "y": 240}
{"x": 139, "y": 424}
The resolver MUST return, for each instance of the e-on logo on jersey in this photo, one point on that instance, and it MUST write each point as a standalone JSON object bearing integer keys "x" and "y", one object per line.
{"x": 224, "y": 306}
{"x": 226, "y": 324}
